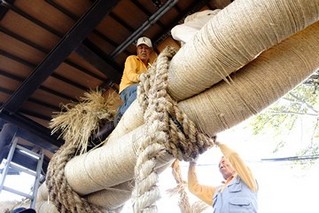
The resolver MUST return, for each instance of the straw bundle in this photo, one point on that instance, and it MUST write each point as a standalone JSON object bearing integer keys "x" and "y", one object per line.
{"x": 77, "y": 122}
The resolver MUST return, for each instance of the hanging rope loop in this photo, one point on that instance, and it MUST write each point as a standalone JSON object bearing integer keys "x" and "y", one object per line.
{"x": 167, "y": 128}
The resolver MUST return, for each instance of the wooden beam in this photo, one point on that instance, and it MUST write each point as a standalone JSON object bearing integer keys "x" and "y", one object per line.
{"x": 67, "y": 44}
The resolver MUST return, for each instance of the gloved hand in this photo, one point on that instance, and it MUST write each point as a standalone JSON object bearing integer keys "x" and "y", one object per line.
{"x": 194, "y": 160}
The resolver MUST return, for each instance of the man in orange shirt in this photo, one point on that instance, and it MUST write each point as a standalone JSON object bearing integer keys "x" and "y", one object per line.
{"x": 134, "y": 66}
{"x": 238, "y": 193}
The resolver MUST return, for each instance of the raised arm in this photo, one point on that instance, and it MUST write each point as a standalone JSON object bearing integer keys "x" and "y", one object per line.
{"x": 205, "y": 193}
{"x": 239, "y": 165}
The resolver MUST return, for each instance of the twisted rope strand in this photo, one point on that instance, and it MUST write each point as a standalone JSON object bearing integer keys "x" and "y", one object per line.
{"x": 167, "y": 128}
{"x": 60, "y": 193}
{"x": 183, "y": 202}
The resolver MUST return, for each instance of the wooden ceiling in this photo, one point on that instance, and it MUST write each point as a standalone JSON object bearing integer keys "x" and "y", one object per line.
{"x": 52, "y": 51}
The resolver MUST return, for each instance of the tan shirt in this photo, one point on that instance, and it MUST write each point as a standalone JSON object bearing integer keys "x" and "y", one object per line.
{"x": 133, "y": 68}
{"x": 206, "y": 193}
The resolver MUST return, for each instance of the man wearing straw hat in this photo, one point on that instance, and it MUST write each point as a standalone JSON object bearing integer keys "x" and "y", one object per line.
{"x": 237, "y": 193}
{"x": 134, "y": 66}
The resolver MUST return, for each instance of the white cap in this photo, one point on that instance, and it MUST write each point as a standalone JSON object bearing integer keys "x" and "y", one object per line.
{"x": 144, "y": 40}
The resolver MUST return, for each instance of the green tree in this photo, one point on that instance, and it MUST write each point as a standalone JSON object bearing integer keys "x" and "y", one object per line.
{"x": 296, "y": 112}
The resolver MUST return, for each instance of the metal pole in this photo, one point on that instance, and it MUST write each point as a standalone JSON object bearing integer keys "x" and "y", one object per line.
{"x": 8, "y": 162}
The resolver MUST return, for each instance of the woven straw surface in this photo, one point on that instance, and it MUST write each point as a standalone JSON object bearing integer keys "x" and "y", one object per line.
{"x": 265, "y": 66}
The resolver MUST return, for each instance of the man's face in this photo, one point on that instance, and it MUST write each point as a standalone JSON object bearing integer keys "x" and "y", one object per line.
{"x": 144, "y": 52}
{"x": 225, "y": 168}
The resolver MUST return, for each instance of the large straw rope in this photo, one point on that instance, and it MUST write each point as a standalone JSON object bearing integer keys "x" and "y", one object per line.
{"x": 221, "y": 97}
{"x": 60, "y": 192}
{"x": 263, "y": 81}
{"x": 266, "y": 79}
{"x": 232, "y": 38}
{"x": 258, "y": 84}
{"x": 167, "y": 128}
{"x": 76, "y": 124}
{"x": 184, "y": 141}
{"x": 225, "y": 44}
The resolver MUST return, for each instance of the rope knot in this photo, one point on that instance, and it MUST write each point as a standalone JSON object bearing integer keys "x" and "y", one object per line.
{"x": 183, "y": 140}
{"x": 167, "y": 129}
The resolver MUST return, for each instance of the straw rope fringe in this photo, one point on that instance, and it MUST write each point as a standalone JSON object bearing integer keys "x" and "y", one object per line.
{"x": 168, "y": 128}
{"x": 80, "y": 120}
{"x": 77, "y": 124}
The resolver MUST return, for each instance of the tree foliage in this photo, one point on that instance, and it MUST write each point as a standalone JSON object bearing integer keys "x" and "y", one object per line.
{"x": 298, "y": 110}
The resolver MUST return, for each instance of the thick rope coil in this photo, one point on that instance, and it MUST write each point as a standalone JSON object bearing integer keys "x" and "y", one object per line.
{"x": 60, "y": 193}
{"x": 185, "y": 141}
{"x": 76, "y": 124}
{"x": 167, "y": 129}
